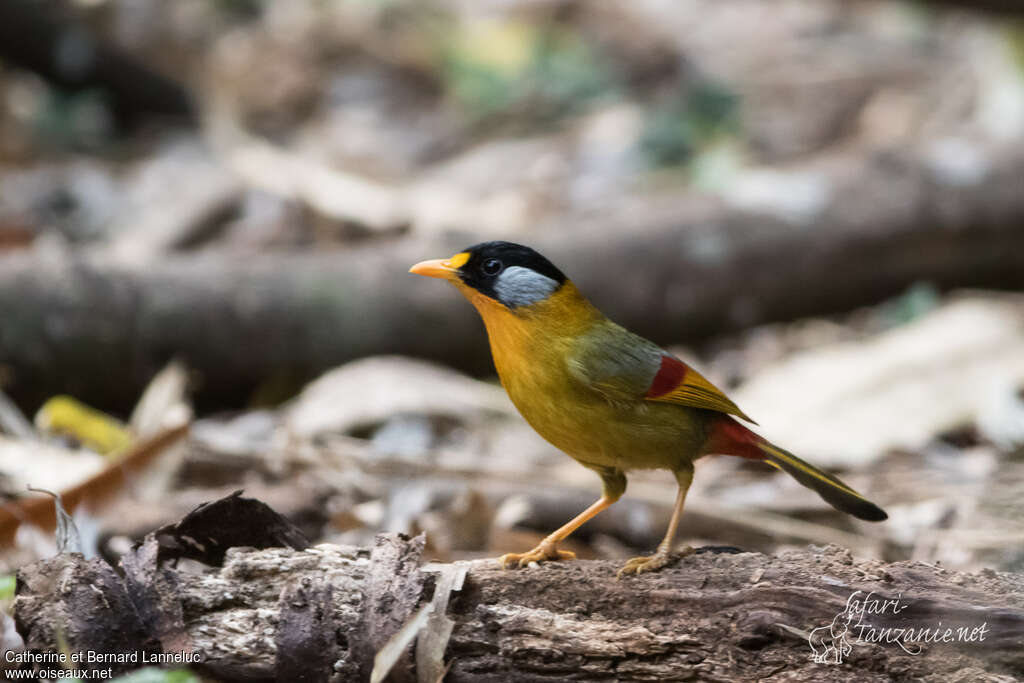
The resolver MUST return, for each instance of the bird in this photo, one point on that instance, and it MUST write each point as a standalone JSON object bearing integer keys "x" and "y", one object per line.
{"x": 612, "y": 400}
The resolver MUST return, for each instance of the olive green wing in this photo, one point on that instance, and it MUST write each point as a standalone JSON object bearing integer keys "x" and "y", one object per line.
{"x": 624, "y": 367}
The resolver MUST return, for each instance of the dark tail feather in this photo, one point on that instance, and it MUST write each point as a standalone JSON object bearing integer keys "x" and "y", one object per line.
{"x": 732, "y": 438}
{"x": 831, "y": 489}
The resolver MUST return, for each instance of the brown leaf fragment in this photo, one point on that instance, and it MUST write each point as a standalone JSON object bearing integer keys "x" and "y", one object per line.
{"x": 97, "y": 491}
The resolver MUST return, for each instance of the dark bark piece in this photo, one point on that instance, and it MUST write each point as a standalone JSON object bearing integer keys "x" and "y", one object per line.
{"x": 206, "y": 533}
{"x": 394, "y": 588}
{"x": 306, "y": 639}
{"x": 84, "y": 604}
{"x": 154, "y": 593}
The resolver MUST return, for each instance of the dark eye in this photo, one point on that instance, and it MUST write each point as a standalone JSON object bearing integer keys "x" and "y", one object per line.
{"x": 491, "y": 266}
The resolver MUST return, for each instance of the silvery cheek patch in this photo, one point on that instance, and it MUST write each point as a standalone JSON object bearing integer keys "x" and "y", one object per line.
{"x": 518, "y": 286}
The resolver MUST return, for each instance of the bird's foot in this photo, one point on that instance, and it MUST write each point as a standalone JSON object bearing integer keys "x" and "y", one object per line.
{"x": 545, "y": 551}
{"x": 651, "y": 563}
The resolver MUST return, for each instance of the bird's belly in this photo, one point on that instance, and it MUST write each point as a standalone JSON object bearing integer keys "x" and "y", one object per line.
{"x": 644, "y": 435}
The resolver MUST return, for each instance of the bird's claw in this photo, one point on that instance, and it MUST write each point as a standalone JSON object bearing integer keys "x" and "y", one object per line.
{"x": 541, "y": 553}
{"x": 639, "y": 565}
{"x": 651, "y": 563}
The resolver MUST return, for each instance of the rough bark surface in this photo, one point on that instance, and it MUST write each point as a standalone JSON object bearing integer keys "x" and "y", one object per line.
{"x": 717, "y": 615}
{"x": 83, "y": 603}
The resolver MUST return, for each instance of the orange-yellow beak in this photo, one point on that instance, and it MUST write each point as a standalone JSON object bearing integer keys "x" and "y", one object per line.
{"x": 436, "y": 268}
{"x": 446, "y": 269}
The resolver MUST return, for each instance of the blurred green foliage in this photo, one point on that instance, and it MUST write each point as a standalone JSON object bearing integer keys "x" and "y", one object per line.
{"x": 1015, "y": 38}
{"x": 919, "y": 299}
{"x": 544, "y": 71}
{"x": 7, "y": 584}
{"x": 241, "y": 9}
{"x": 67, "y": 120}
{"x": 688, "y": 122}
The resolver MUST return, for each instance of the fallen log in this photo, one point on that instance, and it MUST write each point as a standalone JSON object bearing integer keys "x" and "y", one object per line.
{"x": 667, "y": 271}
{"x": 720, "y": 614}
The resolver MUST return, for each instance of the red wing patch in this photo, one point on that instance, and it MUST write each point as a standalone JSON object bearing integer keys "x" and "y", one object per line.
{"x": 670, "y": 375}
{"x": 677, "y": 382}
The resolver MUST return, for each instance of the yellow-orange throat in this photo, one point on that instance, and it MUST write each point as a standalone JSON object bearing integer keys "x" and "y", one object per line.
{"x": 564, "y": 315}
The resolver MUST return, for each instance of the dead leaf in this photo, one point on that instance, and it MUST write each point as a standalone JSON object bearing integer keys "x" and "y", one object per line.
{"x": 371, "y": 390}
{"x": 848, "y": 404}
{"x": 96, "y": 490}
{"x": 394, "y": 650}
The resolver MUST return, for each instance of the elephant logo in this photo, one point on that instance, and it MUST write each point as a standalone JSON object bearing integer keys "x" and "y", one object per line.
{"x": 830, "y": 644}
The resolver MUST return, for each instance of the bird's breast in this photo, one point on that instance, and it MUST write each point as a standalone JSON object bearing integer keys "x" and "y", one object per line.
{"x": 531, "y": 351}
{"x": 574, "y": 418}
